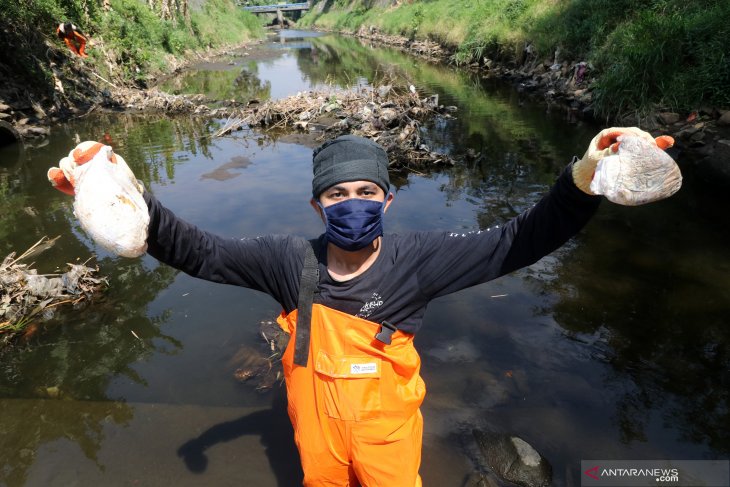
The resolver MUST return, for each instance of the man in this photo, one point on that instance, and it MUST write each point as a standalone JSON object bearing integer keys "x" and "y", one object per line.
{"x": 72, "y": 36}
{"x": 354, "y": 298}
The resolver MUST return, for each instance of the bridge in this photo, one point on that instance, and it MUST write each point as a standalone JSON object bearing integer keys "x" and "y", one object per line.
{"x": 275, "y": 9}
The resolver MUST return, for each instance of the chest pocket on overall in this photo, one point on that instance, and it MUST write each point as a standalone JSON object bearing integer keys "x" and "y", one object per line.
{"x": 350, "y": 385}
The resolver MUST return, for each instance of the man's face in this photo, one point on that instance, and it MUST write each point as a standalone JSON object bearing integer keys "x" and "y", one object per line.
{"x": 365, "y": 190}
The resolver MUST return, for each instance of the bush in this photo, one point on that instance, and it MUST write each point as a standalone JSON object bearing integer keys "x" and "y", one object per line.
{"x": 26, "y": 26}
{"x": 676, "y": 57}
{"x": 129, "y": 32}
{"x": 671, "y": 53}
{"x": 220, "y": 22}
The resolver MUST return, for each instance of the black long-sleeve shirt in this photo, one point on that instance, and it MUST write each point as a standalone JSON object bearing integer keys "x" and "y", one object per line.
{"x": 412, "y": 268}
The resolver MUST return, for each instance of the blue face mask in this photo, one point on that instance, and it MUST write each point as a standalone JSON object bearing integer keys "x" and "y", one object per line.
{"x": 354, "y": 224}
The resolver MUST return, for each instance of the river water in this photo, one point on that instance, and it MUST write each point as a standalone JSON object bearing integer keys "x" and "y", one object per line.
{"x": 613, "y": 347}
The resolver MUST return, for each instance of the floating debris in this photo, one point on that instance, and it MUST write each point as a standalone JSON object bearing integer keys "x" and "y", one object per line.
{"x": 391, "y": 116}
{"x": 261, "y": 366}
{"x": 27, "y": 297}
{"x": 388, "y": 115}
{"x": 154, "y": 100}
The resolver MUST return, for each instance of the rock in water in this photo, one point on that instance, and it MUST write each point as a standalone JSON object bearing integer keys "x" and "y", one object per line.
{"x": 638, "y": 174}
{"x": 479, "y": 480}
{"x": 513, "y": 459}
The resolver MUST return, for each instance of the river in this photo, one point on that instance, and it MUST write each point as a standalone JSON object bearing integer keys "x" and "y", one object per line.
{"x": 613, "y": 347}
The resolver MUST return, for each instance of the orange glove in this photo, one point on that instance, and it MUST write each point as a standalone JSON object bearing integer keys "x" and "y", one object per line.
{"x": 62, "y": 177}
{"x": 605, "y": 144}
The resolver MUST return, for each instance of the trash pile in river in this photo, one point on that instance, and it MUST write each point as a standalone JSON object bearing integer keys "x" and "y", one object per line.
{"x": 261, "y": 366}
{"x": 155, "y": 100}
{"x": 388, "y": 115}
{"x": 27, "y": 297}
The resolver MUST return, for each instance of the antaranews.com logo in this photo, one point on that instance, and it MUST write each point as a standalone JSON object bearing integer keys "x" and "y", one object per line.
{"x": 659, "y": 474}
{"x": 640, "y": 473}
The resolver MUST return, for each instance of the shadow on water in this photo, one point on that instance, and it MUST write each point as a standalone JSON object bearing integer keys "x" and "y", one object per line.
{"x": 614, "y": 347}
{"x": 278, "y": 441}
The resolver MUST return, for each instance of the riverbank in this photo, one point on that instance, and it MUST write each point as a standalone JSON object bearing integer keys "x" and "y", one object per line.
{"x": 642, "y": 54}
{"x": 578, "y": 77}
{"x": 129, "y": 47}
{"x": 29, "y": 118}
{"x": 116, "y": 73}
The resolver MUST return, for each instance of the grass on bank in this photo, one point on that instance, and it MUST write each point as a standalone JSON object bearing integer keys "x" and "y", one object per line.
{"x": 646, "y": 54}
{"x": 129, "y": 34}
{"x": 141, "y": 40}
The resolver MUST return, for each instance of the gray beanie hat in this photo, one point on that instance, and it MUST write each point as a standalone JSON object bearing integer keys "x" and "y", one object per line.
{"x": 349, "y": 158}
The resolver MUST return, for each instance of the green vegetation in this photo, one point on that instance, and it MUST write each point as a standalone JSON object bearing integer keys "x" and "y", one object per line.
{"x": 141, "y": 39}
{"x": 646, "y": 54}
{"x": 129, "y": 40}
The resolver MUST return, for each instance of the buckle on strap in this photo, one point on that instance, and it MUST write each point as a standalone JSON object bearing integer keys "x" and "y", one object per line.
{"x": 385, "y": 335}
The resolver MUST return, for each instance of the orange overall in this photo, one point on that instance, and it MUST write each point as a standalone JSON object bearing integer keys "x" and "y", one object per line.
{"x": 71, "y": 36}
{"x": 355, "y": 406}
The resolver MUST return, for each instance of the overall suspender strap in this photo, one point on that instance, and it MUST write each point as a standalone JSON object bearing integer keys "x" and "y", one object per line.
{"x": 308, "y": 284}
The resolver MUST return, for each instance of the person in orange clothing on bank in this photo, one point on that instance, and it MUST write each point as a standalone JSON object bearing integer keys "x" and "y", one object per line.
{"x": 72, "y": 36}
{"x": 354, "y": 298}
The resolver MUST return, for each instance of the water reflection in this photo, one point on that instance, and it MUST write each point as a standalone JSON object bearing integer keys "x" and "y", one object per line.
{"x": 153, "y": 146}
{"x": 26, "y": 426}
{"x": 12, "y": 198}
{"x": 615, "y": 346}
{"x": 80, "y": 352}
{"x": 80, "y": 355}
{"x": 662, "y": 325}
{"x": 240, "y": 84}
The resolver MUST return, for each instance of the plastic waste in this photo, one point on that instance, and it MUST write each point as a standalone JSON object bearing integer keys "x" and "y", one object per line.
{"x": 639, "y": 173}
{"x": 109, "y": 205}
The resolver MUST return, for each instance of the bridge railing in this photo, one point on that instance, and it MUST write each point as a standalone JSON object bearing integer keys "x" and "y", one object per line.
{"x": 282, "y": 6}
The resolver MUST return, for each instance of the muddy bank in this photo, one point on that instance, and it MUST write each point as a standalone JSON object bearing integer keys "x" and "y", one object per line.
{"x": 426, "y": 49}
{"x": 28, "y": 113}
{"x": 703, "y": 136}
